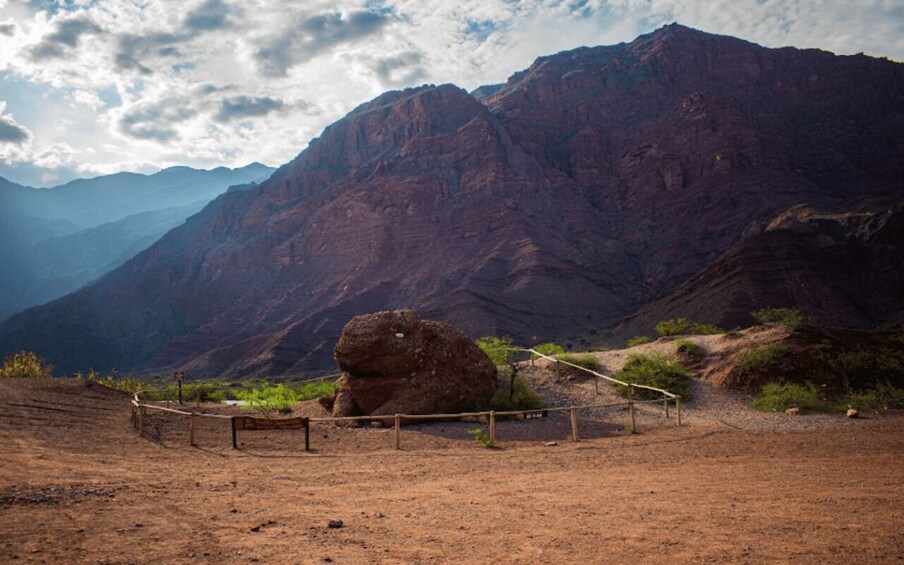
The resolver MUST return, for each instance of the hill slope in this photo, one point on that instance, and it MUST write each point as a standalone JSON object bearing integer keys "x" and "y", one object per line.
{"x": 588, "y": 185}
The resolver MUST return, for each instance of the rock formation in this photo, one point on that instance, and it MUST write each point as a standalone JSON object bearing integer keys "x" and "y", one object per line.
{"x": 395, "y": 363}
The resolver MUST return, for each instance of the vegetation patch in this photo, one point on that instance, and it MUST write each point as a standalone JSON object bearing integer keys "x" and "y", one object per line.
{"x": 656, "y": 370}
{"x": 639, "y": 340}
{"x": 778, "y": 397}
{"x": 269, "y": 400}
{"x": 549, "y": 349}
{"x": 519, "y": 397}
{"x": 585, "y": 360}
{"x": 789, "y": 317}
{"x": 689, "y": 347}
{"x": 683, "y": 326}
{"x": 496, "y": 348}
{"x": 770, "y": 359}
{"x": 481, "y": 437}
{"x": 24, "y": 365}
{"x": 883, "y": 396}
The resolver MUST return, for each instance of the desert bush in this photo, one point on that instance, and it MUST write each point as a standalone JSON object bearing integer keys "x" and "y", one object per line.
{"x": 318, "y": 389}
{"x": 481, "y": 437}
{"x": 682, "y": 326}
{"x": 778, "y": 397}
{"x": 638, "y": 340}
{"x": 127, "y": 383}
{"x": 269, "y": 399}
{"x": 882, "y": 396}
{"x": 550, "y": 349}
{"x": 689, "y": 347}
{"x": 758, "y": 360}
{"x": 24, "y": 365}
{"x": 655, "y": 370}
{"x": 496, "y": 348}
{"x": 520, "y": 397}
{"x": 788, "y": 317}
{"x": 585, "y": 360}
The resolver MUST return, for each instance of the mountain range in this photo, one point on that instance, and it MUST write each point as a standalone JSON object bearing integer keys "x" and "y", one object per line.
{"x": 682, "y": 173}
{"x": 55, "y": 240}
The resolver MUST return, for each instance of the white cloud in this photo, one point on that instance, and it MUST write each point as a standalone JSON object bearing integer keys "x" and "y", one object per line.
{"x": 223, "y": 82}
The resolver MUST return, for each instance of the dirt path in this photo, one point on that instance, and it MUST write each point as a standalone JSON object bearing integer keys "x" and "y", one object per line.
{"x": 77, "y": 485}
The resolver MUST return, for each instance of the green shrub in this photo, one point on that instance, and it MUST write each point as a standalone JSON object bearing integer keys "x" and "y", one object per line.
{"x": 675, "y": 326}
{"x": 882, "y": 396}
{"x": 585, "y": 360}
{"x": 24, "y": 365}
{"x": 760, "y": 360}
{"x": 128, "y": 383}
{"x": 655, "y": 370}
{"x": 319, "y": 389}
{"x": 689, "y": 347}
{"x": 549, "y": 349}
{"x": 481, "y": 437}
{"x": 496, "y": 348}
{"x": 778, "y": 397}
{"x": 269, "y": 399}
{"x": 638, "y": 340}
{"x": 789, "y": 317}
{"x": 682, "y": 326}
{"x": 522, "y": 397}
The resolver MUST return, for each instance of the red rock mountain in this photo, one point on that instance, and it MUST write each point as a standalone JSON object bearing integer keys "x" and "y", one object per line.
{"x": 551, "y": 206}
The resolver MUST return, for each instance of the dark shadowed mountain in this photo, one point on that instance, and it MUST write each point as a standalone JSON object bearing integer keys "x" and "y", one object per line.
{"x": 53, "y": 241}
{"x": 554, "y": 205}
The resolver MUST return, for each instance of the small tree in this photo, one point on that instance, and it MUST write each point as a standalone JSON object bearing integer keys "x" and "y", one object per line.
{"x": 496, "y": 348}
{"x": 791, "y": 318}
{"x": 24, "y": 365}
{"x": 269, "y": 399}
{"x": 549, "y": 349}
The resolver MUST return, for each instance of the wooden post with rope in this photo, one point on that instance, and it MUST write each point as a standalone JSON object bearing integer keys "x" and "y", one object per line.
{"x": 191, "y": 429}
{"x": 398, "y": 432}
{"x": 678, "y": 408}
{"x": 631, "y": 408}
{"x": 492, "y": 428}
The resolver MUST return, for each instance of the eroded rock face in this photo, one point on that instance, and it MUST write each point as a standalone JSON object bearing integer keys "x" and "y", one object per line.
{"x": 395, "y": 363}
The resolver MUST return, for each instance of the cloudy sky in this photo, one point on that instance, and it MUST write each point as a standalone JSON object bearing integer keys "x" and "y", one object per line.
{"x": 91, "y": 87}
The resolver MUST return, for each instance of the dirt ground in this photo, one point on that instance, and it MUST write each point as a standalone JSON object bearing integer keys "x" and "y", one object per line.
{"x": 78, "y": 485}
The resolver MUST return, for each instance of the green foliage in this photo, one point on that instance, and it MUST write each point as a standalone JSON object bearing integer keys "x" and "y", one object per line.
{"x": 778, "y": 397}
{"x": 318, "y": 389}
{"x": 638, "y": 340}
{"x": 771, "y": 359}
{"x": 682, "y": 326}
{"x": 655, "y": 370}
{"x": 689, "y": 347}
{"x": 789, "y": 317}
{"x": 481, "y": 437}
{"x": 523, "y": 398}
{"x": 269, "y": 399}
{"x": 882, "y": 396}
{"x": 550, "y": 349}
{"x": 128, "y": 383}
{"x": 585, "y": 360}
{"x": 24, "y": 365}
{"x": 496, "y": 348}
{"x": 859, "y": 367}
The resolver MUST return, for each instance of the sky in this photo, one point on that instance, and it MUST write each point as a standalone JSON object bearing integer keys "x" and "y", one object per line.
{"x": 93, "y": 87}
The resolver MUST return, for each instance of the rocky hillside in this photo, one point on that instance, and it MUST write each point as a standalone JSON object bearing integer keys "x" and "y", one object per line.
{"x": 557, "y": 204}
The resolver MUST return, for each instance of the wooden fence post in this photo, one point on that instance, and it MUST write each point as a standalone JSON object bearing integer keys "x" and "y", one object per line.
{"x": 398, "y": 432}
{"x": 235, "y": 444}
{"x": 678, "y": 408}
{"x": 596, "y": 383}
{"x": 631, "y": 408}
{"x": 492, "y": 428}
{"x": 665, "y": 404}
{"x": 307, "y": 434}
{"x": 574, "y": 425}
{"x": 191, "y": 429}
{"x": 141, "y": 413}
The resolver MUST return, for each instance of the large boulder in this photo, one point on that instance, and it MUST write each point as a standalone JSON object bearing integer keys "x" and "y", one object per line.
{"x": 395, "y": 363}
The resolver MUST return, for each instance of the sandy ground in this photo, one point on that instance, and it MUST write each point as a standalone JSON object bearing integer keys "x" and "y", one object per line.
{"x": 78, "y": 485}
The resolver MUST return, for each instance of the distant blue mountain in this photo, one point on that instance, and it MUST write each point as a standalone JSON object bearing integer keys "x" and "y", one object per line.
{"x": 55, "y": 240}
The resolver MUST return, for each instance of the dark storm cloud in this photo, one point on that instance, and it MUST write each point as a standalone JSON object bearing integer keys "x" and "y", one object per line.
{"x": 11, "y": 132}
{"x": 400, "y": 70}
{"x": 133, "y": 49}
{"x": 311, "y": 36}
{"x": 67, "y": 34}
{"x": 154, "y": 121}
{"x": 246, "y": 106}
{"x": 7, "y": 29}
{"x": 210, "y": 15}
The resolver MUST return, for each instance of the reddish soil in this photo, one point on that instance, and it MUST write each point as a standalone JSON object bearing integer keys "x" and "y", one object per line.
{"x": 77, "y": 484}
